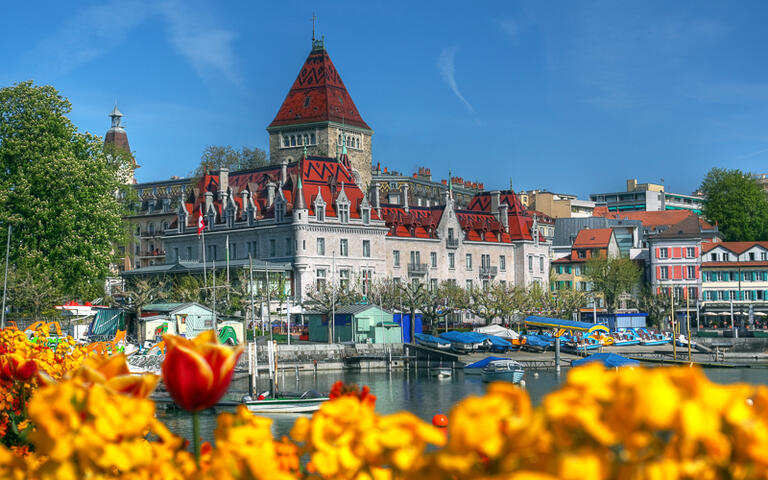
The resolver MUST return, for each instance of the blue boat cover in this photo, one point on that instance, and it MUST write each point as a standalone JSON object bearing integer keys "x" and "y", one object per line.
{"x": 566, "y": 324}
{"x": 607, "y": 359}
{"x": 474, "y": 337}
{"x": 431, "y": 338}
{"x": 482, "y": 363}
{"x": 538, "y": 341}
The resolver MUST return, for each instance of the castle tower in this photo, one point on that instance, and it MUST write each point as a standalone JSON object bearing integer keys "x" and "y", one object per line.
{"x": 115, "y": 140}
{"x": 318, "y": 112}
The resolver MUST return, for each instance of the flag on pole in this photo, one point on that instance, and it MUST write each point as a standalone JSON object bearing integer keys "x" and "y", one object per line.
{"x": 200, "y": 222}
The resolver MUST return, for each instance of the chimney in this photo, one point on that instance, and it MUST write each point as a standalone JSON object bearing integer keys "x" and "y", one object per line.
{"x": 283, "y": 172}
{"x": 244, "y": 197}
{"x": 271, "y": 193}
{"x": 535, "y": 230}
{"x": 376, "y": 198}
{"x": 208, "y": 201}
{"x": 223, "y": 179}
{"x": 405, "y": 198}
{"x": 631, "y": 184}
{"x": 504, "y": 216}
{"x": 495, "y": 201}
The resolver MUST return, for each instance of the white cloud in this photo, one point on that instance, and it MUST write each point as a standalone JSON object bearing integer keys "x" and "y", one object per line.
{"x": 447, "y": 70}
{"x": 510, "y": 28}
{"x": 88, "y": 34}
{"x": 206, "y": 46}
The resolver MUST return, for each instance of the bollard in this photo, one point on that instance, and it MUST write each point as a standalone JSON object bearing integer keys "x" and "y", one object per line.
{"x": 557, "y": 354}
{"x": 315, "y": 366}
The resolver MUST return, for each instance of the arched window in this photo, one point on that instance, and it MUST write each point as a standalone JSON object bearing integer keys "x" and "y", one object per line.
{"x": 306, "y": 139}
{"x": 357, "y": 142}
{"x": 293, "y": 141}
{"x": 165, "y": 225}
{"x": 312, "y": 138}
{"x": 286, "y": 142}
{"x": 339, "y": 139}
{"x": 151, "y": 228}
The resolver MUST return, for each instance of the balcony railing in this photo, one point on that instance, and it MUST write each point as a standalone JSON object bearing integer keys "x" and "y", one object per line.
{"x": 487, "y": 271}
{"x": 156, "y": 253}
{"x": 417, "y": 268}
{"x": 452, "y": 243}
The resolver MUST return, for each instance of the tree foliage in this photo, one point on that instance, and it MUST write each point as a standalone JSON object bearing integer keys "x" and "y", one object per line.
{"x": 215, "y": 157}
{"x": 735, "y": 201}
{"x": 612, "y": 277}
{"x": 59, "y": 192}
{"x": 658, "y": 306}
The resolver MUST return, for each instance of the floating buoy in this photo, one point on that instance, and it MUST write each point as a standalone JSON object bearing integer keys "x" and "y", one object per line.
{"x": 535, "y": 374}
{"x": 440, "y": 421}
{"x": 522, "y": 383}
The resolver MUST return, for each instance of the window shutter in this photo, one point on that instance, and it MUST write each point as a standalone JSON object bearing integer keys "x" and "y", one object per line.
{"x": 677, "y": 252}
{"x": 658, "y": 273}
{"x": 678, "y": 272}
{"x": 696, "y": 252}
{"x": 658, "y": 291}
{"x": 696, "y": 275}
{"x": 658, "y": 253}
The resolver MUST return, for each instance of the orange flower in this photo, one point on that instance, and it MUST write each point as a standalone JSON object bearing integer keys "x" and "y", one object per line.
{"x": 197, "y": 372}
{"x": 114, "y": 374}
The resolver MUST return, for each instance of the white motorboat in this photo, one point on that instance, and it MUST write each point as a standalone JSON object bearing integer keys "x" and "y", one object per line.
{"x": 441, "y": 372}
{"x": 504, "y": 371}
{"x": 306, "y": 402}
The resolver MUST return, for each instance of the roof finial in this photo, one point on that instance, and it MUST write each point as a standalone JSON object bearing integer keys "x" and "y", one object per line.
{"x": 313, "y": 27}
{"x": 115, "y": 115}
{"x": 450, "y": 182}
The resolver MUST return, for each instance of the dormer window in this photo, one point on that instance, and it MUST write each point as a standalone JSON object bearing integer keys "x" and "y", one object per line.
{"x": 320, "y": 212}
{"x": 344, "y": 213}
{"x": 366, "y": 214}
{"x": 279, "y": 211}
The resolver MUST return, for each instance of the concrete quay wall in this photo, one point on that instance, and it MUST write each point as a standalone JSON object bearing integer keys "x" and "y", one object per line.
{"x": 329, "y": 356}
{"x": 746, "y": 344}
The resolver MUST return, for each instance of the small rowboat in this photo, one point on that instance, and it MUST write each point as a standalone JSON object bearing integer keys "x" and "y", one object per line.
{"x": 306, "y": 402}
{"x": 503, "y": 370}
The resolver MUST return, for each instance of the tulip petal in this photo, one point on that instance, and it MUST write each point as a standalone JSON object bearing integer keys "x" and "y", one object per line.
{"x": 139, "y": 386}
{"x": 187, "y": 376}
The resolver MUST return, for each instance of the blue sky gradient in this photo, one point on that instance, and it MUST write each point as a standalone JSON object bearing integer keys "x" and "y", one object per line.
{"x": 572, "y": 97}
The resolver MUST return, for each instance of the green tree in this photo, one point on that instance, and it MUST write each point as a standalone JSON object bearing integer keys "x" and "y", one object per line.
{"x": 612, "y": 277}
{"x": 59, "y": 191}
{"x": 657, "y": 306}
{"x": 215, "y": 157}
{"x": 736, "y": 203}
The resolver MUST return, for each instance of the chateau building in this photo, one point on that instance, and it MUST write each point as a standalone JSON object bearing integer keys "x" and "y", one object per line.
{"x": 318, "y": 213}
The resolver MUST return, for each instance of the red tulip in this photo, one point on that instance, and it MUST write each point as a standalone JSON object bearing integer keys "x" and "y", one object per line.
{"x": 197, "y": 372}
{"x": 15, "y": 367}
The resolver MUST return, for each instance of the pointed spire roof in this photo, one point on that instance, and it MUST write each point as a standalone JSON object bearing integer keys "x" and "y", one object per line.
{"x": 116, "y": 134}
{"x": 318, "y": 95}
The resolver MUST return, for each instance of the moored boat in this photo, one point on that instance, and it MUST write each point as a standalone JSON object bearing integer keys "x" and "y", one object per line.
{"x": 305, "y": 402}
{"x": 432, "y": 342}
{"x": 503, "y": 370}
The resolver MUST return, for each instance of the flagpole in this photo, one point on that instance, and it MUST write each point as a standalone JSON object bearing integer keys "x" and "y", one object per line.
{"x": 253, "y": 307}
{"x": 213, "y": 267}
{"x": 227, "y": 269}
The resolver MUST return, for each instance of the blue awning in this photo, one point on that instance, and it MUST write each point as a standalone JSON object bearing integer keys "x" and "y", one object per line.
{"x": 608, "y": 359}
{"x": 482, "y": 363}
{"x": 566, "y": 324}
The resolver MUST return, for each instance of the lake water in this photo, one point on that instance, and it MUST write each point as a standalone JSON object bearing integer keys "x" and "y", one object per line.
{"x": 414, "y": 391}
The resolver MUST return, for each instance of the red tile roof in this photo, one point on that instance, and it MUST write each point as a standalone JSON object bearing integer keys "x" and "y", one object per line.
{"x": 735, "y": 247}
{"x": 593, "y": 238}
{"x": 320, "y": 175}
{"x": 318, "y": 95}
{"x": 735, "y": 264}
{"x": 652, "y": 220}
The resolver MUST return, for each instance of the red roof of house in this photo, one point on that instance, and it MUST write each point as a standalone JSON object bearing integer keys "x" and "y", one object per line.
{"x": 735, "y": 264}
{"x": 652, "y": 220}
{"x": 593, "y": 238}
{"x": 735, "y": 247}
{"x": 318, "y": 95}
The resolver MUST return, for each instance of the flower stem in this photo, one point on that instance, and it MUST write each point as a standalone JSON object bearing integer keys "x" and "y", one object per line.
{"x": 196, "y": 436}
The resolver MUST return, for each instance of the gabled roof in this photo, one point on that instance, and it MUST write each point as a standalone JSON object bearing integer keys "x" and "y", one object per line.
{"x": 318, "y": 95}
{"x": 357, "y": 308}
{"x": 735, "y": 247}
{"x": 687, "y": 227}
{"x": 593, "y": 238}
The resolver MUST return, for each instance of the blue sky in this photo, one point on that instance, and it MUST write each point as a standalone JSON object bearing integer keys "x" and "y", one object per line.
{"x": 572, "y": 97}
